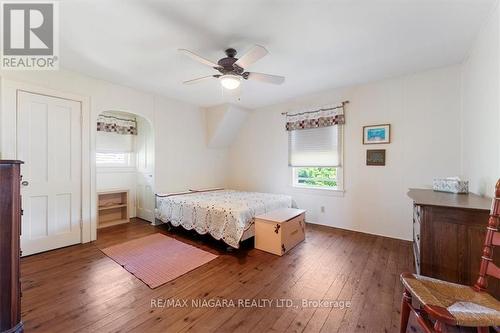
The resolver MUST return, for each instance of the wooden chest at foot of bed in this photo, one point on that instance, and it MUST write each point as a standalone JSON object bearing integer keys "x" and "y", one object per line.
{"x": 280, "y": 230}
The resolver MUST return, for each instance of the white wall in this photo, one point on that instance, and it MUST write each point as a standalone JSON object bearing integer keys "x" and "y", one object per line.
{"x": 182, "y": 158}
{"x": 423, "y": 112}
{"x": 481, "y": 109}
{"x": 223, "y": 124}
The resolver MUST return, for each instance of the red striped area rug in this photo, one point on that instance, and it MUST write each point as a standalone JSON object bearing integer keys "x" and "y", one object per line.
{"x": 157, "y": 259}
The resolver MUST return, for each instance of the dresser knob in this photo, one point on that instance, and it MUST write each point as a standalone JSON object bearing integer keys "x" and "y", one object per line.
{"x": 25, "y": 183}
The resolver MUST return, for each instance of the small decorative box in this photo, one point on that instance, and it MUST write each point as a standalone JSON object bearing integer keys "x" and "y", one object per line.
{"x": 451, "y": 185}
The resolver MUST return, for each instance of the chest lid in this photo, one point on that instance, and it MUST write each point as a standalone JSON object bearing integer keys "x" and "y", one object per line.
{"x": 281, "y": 215}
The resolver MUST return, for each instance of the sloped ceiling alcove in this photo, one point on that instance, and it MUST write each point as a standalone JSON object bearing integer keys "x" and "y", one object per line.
{"x": 223, "y": 123}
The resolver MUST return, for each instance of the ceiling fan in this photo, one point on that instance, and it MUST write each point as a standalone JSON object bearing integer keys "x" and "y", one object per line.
{"x": 232, "y": 69}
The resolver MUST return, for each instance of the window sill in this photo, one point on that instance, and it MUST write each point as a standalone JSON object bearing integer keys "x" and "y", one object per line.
{"x": 318, "y": 190}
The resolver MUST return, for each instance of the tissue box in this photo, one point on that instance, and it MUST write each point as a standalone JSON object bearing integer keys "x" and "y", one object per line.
{"x": 451, "y": 185}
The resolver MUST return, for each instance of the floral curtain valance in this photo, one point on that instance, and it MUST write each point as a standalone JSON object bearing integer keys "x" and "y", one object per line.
{"x": 106, "y": 123}
{"x": 324, "y": 117}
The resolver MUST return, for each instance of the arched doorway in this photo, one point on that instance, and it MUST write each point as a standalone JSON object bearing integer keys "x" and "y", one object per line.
{"x": 124, "y": 168}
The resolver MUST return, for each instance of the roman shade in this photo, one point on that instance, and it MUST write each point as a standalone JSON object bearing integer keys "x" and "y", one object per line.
{"x": 114, "y": 143}
{"x": 315, "y": 138}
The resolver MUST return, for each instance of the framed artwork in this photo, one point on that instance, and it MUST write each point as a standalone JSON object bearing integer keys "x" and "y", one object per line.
{"x": 375, "y": 157}
{"x": 377, "y": 134}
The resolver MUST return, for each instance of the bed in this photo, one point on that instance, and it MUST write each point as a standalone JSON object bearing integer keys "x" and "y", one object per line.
{"x": 226, "y": 215}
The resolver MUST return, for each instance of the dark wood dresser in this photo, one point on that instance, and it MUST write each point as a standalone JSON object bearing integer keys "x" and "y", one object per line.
{"x": 448, "y": 235}
{"x": 10, "y": 231}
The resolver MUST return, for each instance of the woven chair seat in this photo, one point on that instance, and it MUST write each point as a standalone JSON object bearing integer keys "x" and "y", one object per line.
{"x": 467, "y": 306}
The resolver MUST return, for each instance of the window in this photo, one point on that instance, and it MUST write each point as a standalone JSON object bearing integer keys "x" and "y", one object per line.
{"x": 316, "y": 157}
{"x": 315, "y": 147}
{"x": 114, "y": 150}
{"x": 318, "y": 177}
{"x": 113, "y": 159}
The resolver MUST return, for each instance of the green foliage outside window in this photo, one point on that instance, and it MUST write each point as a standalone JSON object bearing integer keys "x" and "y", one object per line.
{"x": 320, "y": 177}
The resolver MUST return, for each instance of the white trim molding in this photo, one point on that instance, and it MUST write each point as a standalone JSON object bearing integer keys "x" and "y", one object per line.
{"x": 8, "y": 141}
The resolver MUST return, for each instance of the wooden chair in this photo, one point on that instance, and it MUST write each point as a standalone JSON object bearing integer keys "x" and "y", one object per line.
{"x": 446, "y": 305}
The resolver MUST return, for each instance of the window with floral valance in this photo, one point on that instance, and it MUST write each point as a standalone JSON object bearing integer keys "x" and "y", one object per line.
{"x": 315, "y": 144}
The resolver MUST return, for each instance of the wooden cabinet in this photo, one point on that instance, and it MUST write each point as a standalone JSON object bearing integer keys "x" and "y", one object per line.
{"x": 448, "y": 235}
{"x": 280, "y": 230}
{"x": 10, "y": 231}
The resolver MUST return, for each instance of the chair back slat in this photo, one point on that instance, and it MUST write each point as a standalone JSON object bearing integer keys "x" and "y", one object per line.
{"x": 496, "y": 239}
{"x": 488, "y": 268}
{"x": 493, "y": 270}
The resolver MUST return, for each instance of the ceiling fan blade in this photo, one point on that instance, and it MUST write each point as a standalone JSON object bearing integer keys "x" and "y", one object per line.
{"x": 198, "y": 58}
{"x": 255, "y": 53}
{"x": 193, "y": 81}
{"x": 274, "y": 79}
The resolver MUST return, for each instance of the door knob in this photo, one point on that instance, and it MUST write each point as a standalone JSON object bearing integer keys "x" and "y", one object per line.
{"x": 25, "y": 183}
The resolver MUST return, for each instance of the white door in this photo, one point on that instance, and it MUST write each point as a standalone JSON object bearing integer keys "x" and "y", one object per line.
{"x": 49, "y": 142}
{"x": 145, "y": 170}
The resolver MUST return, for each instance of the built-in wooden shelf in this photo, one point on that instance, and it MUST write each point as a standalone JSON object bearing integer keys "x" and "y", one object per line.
{"x": 114, "y": 222}
{"x": 112, "y": 208}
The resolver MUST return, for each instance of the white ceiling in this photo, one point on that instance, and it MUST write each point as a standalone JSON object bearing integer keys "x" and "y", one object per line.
{"x": 317, "y": 44}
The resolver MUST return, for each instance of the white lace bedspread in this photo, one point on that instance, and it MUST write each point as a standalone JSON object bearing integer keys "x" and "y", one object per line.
{"x": 224, "y": 214}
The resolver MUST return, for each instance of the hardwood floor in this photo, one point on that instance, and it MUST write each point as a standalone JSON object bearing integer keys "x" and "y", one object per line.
{"x": 79, "y": 289}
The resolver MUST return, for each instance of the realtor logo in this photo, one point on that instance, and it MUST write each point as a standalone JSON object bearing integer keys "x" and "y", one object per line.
{"x": 29, "y": 35}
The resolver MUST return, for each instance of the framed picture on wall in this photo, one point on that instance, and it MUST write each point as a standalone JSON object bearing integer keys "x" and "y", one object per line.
{"x": 375, "y": 157}
{"x": 375, "y": 134}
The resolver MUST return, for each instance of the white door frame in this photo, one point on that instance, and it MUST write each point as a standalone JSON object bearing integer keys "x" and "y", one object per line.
{"x": 151, "y": 128}
{"x": 8, "y": 140}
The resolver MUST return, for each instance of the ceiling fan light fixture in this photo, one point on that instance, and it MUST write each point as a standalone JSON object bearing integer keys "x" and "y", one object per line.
{"x": 230, "y": 81}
